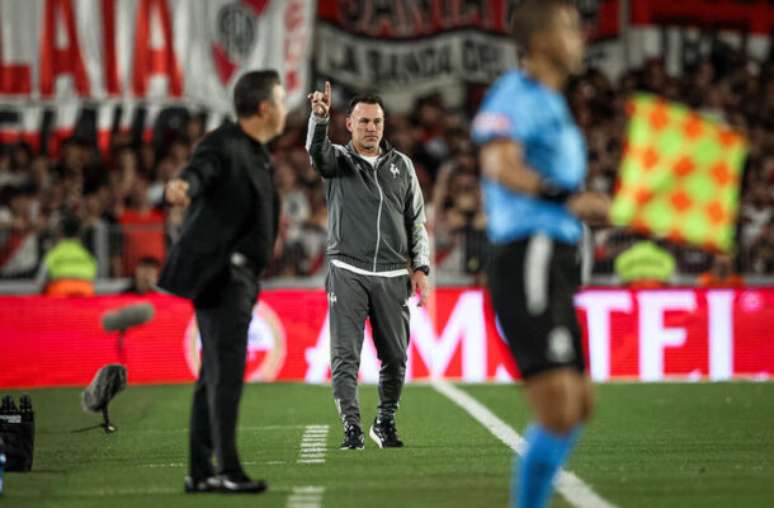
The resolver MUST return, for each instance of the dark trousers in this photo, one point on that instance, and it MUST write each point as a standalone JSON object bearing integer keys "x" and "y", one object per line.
{"x": 223, "y": 317}
{"x": 351, "y": 299}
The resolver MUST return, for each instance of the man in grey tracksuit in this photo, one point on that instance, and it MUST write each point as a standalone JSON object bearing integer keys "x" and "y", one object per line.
{"x": 378, "y": 252}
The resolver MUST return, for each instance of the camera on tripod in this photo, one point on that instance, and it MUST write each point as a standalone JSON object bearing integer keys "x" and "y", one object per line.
{"x": 17, "y": 430}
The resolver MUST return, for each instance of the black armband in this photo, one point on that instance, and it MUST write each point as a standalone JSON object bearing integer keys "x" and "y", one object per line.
{"x": 549, "y": 191}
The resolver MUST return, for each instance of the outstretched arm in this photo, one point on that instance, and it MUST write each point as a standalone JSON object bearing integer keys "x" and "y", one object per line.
{"x": 318, "y": 144}
{"x": 201, "y": 173}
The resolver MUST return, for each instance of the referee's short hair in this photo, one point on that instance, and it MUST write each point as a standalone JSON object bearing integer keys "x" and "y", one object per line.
{"x": 251, "y": 89}
{"x": 532, "y": 16}
{"x": 365, "y": 99}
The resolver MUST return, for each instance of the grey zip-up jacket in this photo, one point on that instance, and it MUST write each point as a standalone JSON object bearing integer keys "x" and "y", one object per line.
{"x": 376, "y": 214}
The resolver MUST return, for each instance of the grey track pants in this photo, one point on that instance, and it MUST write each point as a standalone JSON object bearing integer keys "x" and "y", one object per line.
{"x": 352, "y": 298}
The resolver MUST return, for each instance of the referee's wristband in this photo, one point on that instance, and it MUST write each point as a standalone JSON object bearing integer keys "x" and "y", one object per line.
{"x": 549, "y": 191}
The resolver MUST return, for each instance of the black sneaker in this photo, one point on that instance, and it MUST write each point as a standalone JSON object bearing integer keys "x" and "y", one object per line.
{"x": 353, "y": 438}
{"x": 384, "y": 433}
{"x": 237, "y": 484}
{"x": 197, "y": 486}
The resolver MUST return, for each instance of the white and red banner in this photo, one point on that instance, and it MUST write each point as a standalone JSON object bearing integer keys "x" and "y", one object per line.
{"x": 653, "y": 335}
{"x": 59, "y": 52}
{"x": 685, "y": 32}
{"x": 405, "y": 50}
{"x": 751, "y": 16}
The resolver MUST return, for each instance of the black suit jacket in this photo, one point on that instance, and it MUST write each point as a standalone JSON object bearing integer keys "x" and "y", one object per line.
{"x": 234, "y": 208}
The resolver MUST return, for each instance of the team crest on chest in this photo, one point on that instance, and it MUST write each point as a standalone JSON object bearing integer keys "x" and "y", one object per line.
{"x": 394, "y": 170}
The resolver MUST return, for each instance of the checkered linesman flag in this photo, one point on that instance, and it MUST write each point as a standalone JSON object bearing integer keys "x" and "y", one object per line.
{"x": 679, "y": 177}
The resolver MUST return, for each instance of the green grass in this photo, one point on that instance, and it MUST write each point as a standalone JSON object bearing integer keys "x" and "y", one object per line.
{"x": 686, "y": 445}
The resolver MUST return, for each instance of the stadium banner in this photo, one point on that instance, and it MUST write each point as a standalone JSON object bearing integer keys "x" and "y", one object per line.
{"x": 404, "y": 50}
{"x": 57, "y": 53}
{"x": 685, "y": 32}
{"x": 649, "y": 335}
{"x": 753, "y": 16}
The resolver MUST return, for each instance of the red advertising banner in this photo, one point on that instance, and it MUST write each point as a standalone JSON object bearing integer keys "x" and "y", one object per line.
{"x": 640, "y": 335}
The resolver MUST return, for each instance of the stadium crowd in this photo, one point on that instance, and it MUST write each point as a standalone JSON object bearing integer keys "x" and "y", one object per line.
{"x": 118, "y": 197}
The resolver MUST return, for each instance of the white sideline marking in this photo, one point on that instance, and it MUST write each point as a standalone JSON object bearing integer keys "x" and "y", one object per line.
{"x": 313, "y": 446}
{"x": 306, "y": 497}
{"x": 245, "y": 428}
{"x": 107, "y": 491}
{"x": 182, "y": 464}
{"x": 573, "y": 489}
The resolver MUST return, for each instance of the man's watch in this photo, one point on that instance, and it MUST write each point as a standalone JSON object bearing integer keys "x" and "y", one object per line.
{"x": 424, "y": 269}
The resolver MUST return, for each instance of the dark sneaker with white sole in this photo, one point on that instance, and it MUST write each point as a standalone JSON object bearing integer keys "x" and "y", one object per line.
{"x": 198, "y": 486}
{"x": 237, "y": 484}
{"x": 384, "y": 433}
{"x": 353, "y": 438}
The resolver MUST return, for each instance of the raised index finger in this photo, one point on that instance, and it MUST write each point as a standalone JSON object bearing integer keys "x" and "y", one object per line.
{"x": 327, "y": 91}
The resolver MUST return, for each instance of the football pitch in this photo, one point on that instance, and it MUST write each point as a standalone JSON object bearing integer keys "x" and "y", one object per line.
{"x": 649, "y": 445}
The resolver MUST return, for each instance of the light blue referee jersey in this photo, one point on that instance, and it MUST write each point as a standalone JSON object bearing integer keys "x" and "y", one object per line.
{"x": 521, "y": 109}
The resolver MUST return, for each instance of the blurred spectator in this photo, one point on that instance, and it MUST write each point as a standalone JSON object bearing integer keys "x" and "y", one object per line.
{"x": 429, "y": 121}
{"x": 458, "y": 221}
{"x": 180, "y": 150}
{"x": 756, "y": 214}
{"x": 101, "y": 233}
{"x": 645, "y": 264}
{"x": 14, "y": 163}
{"x": 194, "y": 128}
{"x": 694, "y": 260}
{"x": 122, "y": 178}
{"x": 314, "y": 237}
{"x": 20, "y": 227}
{"x": 147, "y": 158}
{"x": 7, "y": 176}
{"x": 68, "y": 269}
{"x": 302, "y": 246}
{"x": 146, "y": 275}
{"x": 165, "y": 171}
{"x": 21, "y": 156}
{"x": 295, "y": 204}
{"x": 721, "y": 274}
{"x": 762, "y": 252}
{"x": 444, "y": 224}
{"x": 73, "y": 157}
{"x": 40, "y": 170}
{"x": 143, "y": 228}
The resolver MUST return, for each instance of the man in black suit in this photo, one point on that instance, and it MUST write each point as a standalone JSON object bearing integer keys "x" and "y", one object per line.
{"x": 226, "y": 241}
